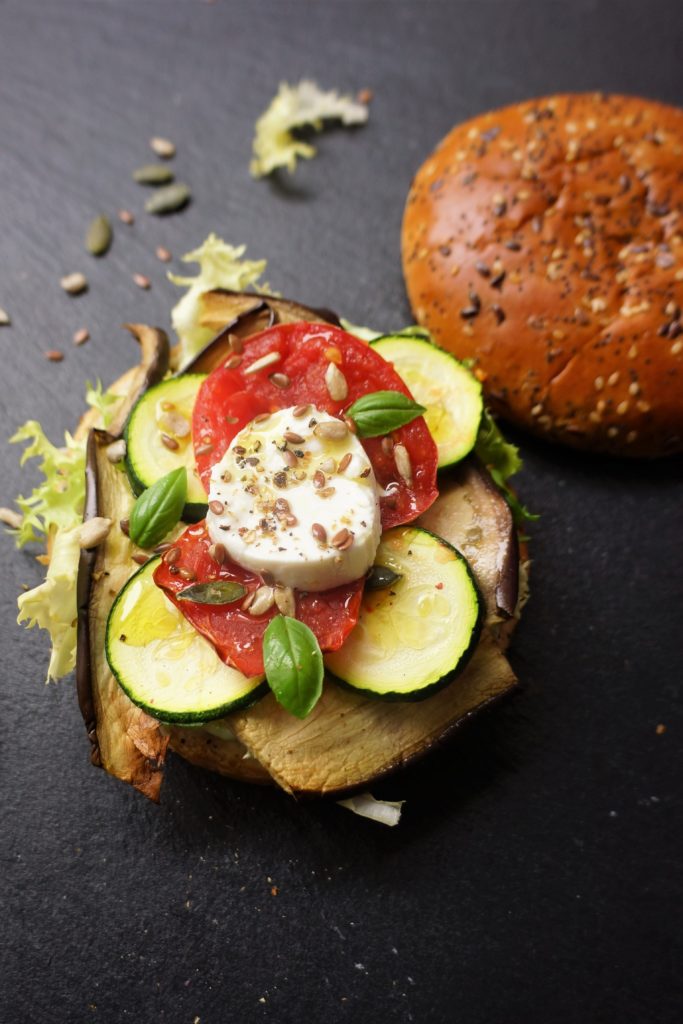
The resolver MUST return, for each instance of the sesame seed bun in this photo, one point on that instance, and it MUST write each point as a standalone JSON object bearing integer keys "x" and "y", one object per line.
{"x": 545, "y": 240}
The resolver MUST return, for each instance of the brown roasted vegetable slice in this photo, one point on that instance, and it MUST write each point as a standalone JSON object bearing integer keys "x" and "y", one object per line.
{"x": 349, "y": 741}
{"x": 153, "y": 366}
{"x": 243, "y": 314}
{"x": 125, "y": 741}
{"x": 472, "y": 515}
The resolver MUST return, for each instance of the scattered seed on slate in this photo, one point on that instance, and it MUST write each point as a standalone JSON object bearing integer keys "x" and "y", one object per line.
{"x": 162, "y": 147}
{"x": 80, "y": 337}
{"x": 163, "y": 254}
{"x": 54, "y": 355}
{"x": 142, "y": 281}
{"x": 168, "y": 200}
{"x": 4, "y": 318}
{"x": 153, "y": 174}
{"x": 99, "y": 236}
{"x": 74, "y": 284}
{"x": 126, "y": 217}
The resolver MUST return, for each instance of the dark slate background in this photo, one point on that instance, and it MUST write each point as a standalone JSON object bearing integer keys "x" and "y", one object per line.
{"x": 534, "y": 877}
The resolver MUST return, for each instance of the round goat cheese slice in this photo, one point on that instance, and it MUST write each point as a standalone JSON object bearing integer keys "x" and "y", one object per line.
{"x": 295, "y": 496}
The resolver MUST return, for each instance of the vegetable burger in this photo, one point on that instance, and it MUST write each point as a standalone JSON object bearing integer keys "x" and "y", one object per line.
{"x": 299, "y": 557}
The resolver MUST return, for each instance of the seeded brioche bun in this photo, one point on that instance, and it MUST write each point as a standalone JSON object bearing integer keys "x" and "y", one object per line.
{"x": 545, "y": 240}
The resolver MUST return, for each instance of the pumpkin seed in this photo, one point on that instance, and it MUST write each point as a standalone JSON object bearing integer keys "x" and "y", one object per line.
{"x": 168, "y": 200}
{"x": 212, "y": 592}
{"x": 99, "y": 236}
{"x": 162, "y": 147}
{"x": 153, "y": 174}
{"x": 381, "y": 577}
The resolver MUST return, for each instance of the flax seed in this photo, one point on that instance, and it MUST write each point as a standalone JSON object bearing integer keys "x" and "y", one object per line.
{"x": 318, "y": 479}
{"x": 280, "y": 380}
{"x": 233, "y": 362}
{"x": 171, "y": 556}
{"x": 204, "y": 449}
{"x": 186, "y": 574}
{"x": 342, "y": 539}
{"x": 169, "y": 442}
{"x": 319, "y": 532}
{"x": 345, "y": 463}
{"x": 300, "y": 410}
{"x": 293, "y": 438}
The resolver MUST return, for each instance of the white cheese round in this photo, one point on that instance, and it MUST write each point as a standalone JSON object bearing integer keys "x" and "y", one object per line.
{"x": 292, "y": 501}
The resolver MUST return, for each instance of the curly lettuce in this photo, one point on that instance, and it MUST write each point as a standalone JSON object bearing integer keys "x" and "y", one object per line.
{"x": 502, "y": 460}
{"x": 106, "y": 402}
{"x": 298, "y": 106}
{"x": 52, "y": 604}
{"x": 57, "y": 503}
{"x": 220, "y": 266}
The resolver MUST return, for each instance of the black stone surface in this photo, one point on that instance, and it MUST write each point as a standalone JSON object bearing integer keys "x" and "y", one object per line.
{"x": 534, "y": 877}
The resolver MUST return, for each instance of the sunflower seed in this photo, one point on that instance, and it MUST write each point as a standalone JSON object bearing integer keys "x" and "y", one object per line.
{"x": 74, "y": 284}
{"x": 218, "y": 553}
{"x": 153, "y": 174}
{"x": 403, "y": 464}
{"x": 285, "y": 601}
{"x": 116, "y": 451}
{"x": 331, "y": 430}
{"x": 264, "y": 599}
{"x": 93, "y": 531}
{"x": 99, "y": 236}
{"x": 80, "y": 337}
{"x": 162, "y": 147}
{"x": 168, "y": 200}
{"x": 260, "y": 364}
{"x": 335, "y": 381}
{"x": 174, "y": 423}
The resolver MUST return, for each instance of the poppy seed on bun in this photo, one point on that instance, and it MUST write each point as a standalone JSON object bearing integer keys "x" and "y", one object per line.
{"x": 545, "y": 241}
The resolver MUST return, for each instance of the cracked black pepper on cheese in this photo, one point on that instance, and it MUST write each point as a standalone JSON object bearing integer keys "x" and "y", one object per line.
{"x": 545, "y": 241}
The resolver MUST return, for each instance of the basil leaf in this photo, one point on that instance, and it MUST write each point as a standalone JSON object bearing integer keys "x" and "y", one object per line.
{"x": 158, "y": 509}
{"x": 380, "y": 577}
{"x": 213, "y": 592}
{"x": 380, "y": 412}
{"x": 293, "y": 664}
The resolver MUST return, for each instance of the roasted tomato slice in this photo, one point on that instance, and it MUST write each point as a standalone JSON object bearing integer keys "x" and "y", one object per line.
{"x": 291, "y": 361}
{"x": 237, "y": 635}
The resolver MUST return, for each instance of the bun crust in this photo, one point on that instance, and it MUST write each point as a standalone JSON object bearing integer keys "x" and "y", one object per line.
{"x": 545, "y": 240}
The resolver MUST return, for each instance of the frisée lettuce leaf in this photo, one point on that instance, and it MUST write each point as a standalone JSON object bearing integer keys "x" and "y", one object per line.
{"x": 52, "y": 604}
{"x": 298, "y": 106}
{"x": 220, "y": 266}
{"x": 57, "y": 502}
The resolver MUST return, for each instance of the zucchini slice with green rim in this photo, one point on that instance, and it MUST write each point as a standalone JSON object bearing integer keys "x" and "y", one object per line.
{"x": 417, "y": 635}
{"x": 450, "y": 393}
{"x": 147, "y": 457}
{"x": 164, "y": 665}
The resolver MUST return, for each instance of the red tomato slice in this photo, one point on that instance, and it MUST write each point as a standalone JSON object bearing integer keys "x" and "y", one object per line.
{"x": 229, "y": 399}
{"x": 236, "y": 635}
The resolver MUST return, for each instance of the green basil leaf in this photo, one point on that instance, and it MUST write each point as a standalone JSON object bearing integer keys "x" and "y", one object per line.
{"x": 380, "y": 577}
{"x": 293, "y": 664}
{"x": 380, "y": 412}
{"x": 213, "y": 592}
{"x": 158, "y": 509}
